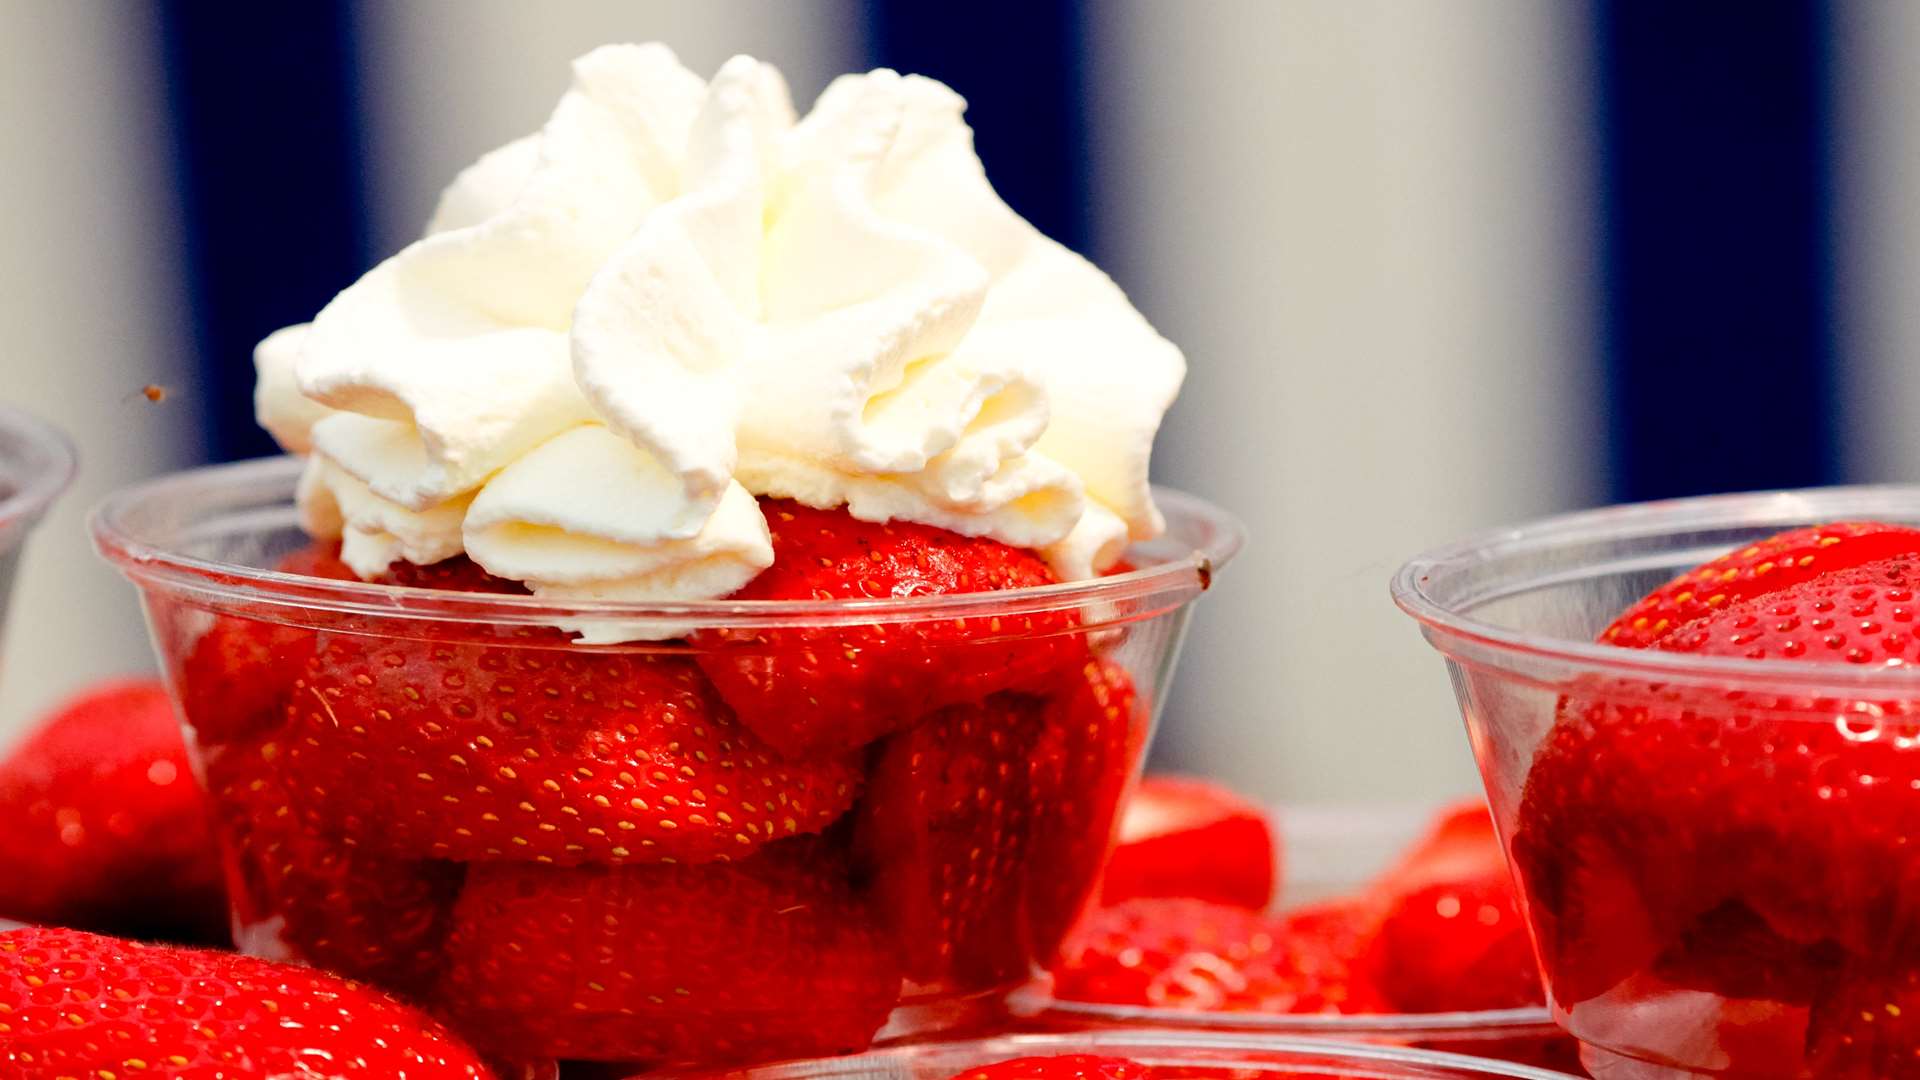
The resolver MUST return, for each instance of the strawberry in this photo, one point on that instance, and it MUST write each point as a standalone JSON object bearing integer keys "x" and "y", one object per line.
{"x": 331, "y": 904}
{"x": 1460, "y": 845}
{"x": 458, "y": 574}
{"x": 823, "y": 690}
{"x": 1196, "y": 955}
{"x": 539, "y": 751}
{"x": 944, "y": 833}
{"x": 1758, "y": 569}
{"x": 1188, "y": 837}
{"x": 1095, "y": 726}
{"x": 102, "y": 825}
{"x": 1868, "y": 1030}
{"x": 1457, "y": 946}
{"x": 1738, "y": 842}
{"x": 75, "y": 1004}
{"x": 771, "y": 957}
{"x": 1060, "y": 1067}
{"x": 234, "y": 681}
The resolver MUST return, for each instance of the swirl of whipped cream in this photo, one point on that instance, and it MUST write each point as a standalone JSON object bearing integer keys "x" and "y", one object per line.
{"x": 677, "y": 296}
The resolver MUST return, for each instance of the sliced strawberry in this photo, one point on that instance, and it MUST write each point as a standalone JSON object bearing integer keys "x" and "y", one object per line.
{"x": 1778, "y": 562}
{"x": 329, "y": 903}
{"x": 1457, "y": 945}
{"x": 771, "y": 957}
{"x": 1189, "y": 837}
{"x": 819, "y": 690}
{"x": 944, "y": 833}
{"x": 1060, "y": 1067}
{"x": 102, "y": 825}
{"x": 1095, "y": 729}
{"x": 77, "y": 1004}
{"x": 1196, "y": 955}
{"x": 551, "y": 754}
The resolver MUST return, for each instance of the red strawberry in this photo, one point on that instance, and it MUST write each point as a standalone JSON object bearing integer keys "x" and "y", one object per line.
{"x": 1060, "y": 1067}
{"x": 1191, "y": 954}
{"x": 771, "y": 957}
{"x": 331, "y": 904}
{"x": 1457, "y": 946}
{"x": 102, "y": 825}
{"x": 1868, "y": 1030}
{"x": 1095, "y": 728}
{"x": 830, "y": 689}
{"x": 1758, "y": 569}
{"x": 74, "y": 1004}
{"x": 944, "y": 831}
{"x": 1735, "y": 841}
{"x": 1187, "y": 837}
{"x": 1344, "y": 926}
{"x": 234, "y": 681}
{"x": 458, "y": 574}
{"x": 1460, "y": 845}
{"x": 542, "y": 752}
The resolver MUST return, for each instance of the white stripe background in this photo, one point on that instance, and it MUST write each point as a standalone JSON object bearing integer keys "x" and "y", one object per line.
{"x": 1371, "y": 224}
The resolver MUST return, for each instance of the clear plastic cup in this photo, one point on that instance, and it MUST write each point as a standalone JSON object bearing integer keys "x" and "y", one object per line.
{"x": 1172, "y": 1055}
{"x": 595, "y": 851}
{"x": 1334, "y": 851}
{"x": 1716, "y": 855}
{"x": 36, "y": 465}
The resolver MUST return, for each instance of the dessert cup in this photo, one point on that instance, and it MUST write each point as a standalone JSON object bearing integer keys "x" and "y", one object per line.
{"x": 583, "y": 851}
{"x": 1715, "y": 854}
{"x": 1333, "y": 851}
{"x": 36, "y": 464}
{"x": 1172, "y": 1055}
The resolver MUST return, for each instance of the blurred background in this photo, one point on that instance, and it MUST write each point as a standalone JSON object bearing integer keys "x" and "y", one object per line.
{"x": 1436, "y": 267}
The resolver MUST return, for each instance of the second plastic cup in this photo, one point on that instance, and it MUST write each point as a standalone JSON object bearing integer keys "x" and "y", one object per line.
{"x": 763, "y": 829}
{"x": 1719, "y": 857}
{"x": 36, "y": 465}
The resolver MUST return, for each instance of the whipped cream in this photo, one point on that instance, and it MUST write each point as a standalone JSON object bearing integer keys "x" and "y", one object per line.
{"x": 679, "y": 295}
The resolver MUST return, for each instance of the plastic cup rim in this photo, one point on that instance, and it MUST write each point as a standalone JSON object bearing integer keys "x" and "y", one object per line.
{"x": 42, "y": 484}
{"x": 152, "y": 563}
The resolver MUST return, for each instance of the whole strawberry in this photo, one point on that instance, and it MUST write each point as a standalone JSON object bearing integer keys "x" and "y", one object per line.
{"x": 298, "y": 889}
{"x": 1745, "y": 843}
{"x": 74, "y": 1004}
{"x": 1200, "y": 956}
{"x": 1182, "y": 836}
{"x": 543, "y": 752}
{"x": 771, "y": 957}
{"x": 824, "y": 690}
{"x": 102, "y": 825}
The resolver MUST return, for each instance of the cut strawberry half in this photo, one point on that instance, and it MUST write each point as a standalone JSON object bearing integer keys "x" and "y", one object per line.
{"x": 826, "y": 690}
{"x": 767, "y": 958}
{"x": 426, "y": 749}
{"x": 1182, "y": 836}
